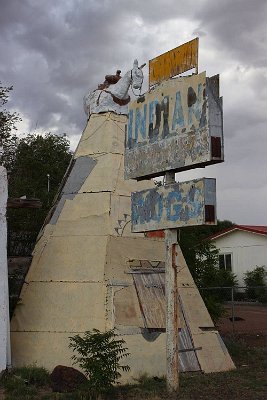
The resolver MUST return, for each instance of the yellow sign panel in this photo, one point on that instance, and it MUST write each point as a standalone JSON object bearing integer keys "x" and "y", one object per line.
{"x": 174, "y": 62}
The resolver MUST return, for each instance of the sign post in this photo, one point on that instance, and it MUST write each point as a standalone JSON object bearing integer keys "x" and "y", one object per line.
{"x": 176, "y": 126}
{"x": 172, "y": 316}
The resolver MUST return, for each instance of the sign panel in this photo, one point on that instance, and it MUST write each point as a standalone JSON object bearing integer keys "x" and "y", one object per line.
{"x": 177, "y": 127}
{"x": 173, "y": 62}
{"x": 176, "y": 205}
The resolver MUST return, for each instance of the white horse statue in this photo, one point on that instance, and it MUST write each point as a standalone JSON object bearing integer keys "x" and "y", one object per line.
{"x": 113, "y": 95}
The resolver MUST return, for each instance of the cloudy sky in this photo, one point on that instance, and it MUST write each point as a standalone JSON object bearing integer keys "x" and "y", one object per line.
{"x": 53, "y": 51}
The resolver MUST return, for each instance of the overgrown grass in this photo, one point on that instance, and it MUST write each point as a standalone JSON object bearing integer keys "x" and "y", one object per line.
{"x": 247, "y": 382}
{"x": 23, "y": 383}
{"x": 32, "y": 375}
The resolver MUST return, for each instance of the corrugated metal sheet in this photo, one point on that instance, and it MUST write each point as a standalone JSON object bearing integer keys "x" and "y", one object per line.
{"x": 173, "y": 62}
{"x": 150, "y": 289}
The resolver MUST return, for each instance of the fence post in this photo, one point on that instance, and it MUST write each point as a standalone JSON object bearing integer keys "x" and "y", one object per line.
{"x": 233, "y": 309}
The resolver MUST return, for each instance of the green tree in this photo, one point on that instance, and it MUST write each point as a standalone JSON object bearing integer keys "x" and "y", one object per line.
{"x": 8, "y": 121}
{"x": 36, "y": 157}
{"x": 200, "y": 253}
{"x": 256, "y": 287}
{"x": 202, "y": 258}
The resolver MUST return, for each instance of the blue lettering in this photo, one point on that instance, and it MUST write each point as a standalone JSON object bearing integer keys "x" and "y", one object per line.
{"x": 152, "y": 111}
{"x": 130, "y": 130}
{"x": 196, "y": 107}
{"x": 140, "y": 122}
{"x": 173, "y": 210}
{"x": 154, "y": 206}
{"x": 178, "y": 115}
{"x": 138, "y": 209}
{"x": 146, "y": 207}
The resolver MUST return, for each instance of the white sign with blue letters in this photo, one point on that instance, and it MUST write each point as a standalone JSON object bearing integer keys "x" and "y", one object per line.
{"x": 176, "y": 127}
{"x": 176, "y": 205}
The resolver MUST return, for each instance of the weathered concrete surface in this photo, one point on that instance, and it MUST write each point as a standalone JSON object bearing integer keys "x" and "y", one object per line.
{"x": 65, "y": 290}
{"x": 79, "y": 278}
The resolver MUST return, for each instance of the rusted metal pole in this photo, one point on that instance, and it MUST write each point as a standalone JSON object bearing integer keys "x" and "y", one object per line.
{"x": 172, "y": 319}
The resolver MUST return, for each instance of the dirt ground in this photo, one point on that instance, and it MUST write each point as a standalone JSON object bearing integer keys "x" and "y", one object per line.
{"x": 250, "y": 323}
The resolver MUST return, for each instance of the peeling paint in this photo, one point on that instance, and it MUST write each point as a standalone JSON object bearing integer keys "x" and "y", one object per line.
{"x": 173, "y": 62}
{"x": 176, "y": 205}
{"x": 60, "y": 206}
{"x": 174, "y": 128}
{"x": 82, "y": 168}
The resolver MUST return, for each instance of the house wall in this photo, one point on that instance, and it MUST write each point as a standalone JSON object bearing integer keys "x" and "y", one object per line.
{"x": 248, "y": 251}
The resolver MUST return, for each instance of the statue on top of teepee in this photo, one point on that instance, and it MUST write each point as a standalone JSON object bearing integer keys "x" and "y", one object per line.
{"x": 112, "y": 95}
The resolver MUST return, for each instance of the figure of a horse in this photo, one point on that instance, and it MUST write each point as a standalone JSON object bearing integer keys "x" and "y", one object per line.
{"x": 113, "y": 95}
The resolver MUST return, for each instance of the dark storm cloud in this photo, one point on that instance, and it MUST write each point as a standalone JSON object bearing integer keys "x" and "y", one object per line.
{"x": 238, "y": 27}
{"x": 59, "y": 49}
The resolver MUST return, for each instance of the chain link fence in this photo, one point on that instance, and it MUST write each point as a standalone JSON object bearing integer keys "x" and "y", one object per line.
{"x": 243, "y": 309}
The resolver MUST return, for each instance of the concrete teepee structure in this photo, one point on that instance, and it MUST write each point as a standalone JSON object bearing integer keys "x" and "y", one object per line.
{"x": 89, "y": 271}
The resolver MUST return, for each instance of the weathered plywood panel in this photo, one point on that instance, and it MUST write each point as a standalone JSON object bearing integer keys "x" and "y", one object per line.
{"x": 105, "y": 174}
{"x": 180, "y": 204}
{"x": 83, "y": 206}
{"x": 71, "y": 258}
{"x": 85, "y": 215}
{"x": 103, "y": 134}
{"x": 145, "y": 356}
{"x": 177, "y": 127}
{"x": 173, "y": 62}
{"x": 123, "y": 249}
{"x": 60, "y": 307}
{"x": 212, "y": 344}
{"x": 126, "y": 307}
{"x": 150, "y": 288}
{"x": 45, "y": 349}
{"x": 151, "y": 293}
{"x": 187, "y": 359}
{"x": 194, "y": 309}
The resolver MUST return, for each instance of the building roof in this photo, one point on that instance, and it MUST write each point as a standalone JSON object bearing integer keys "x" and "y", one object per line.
{"x": 262, "y": 230}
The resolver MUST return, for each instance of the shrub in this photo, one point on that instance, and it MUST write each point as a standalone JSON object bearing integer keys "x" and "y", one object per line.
{"x": 99, "y": 355}
{"x": 256, "y": 287}
{"x": 209, "y": 277}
